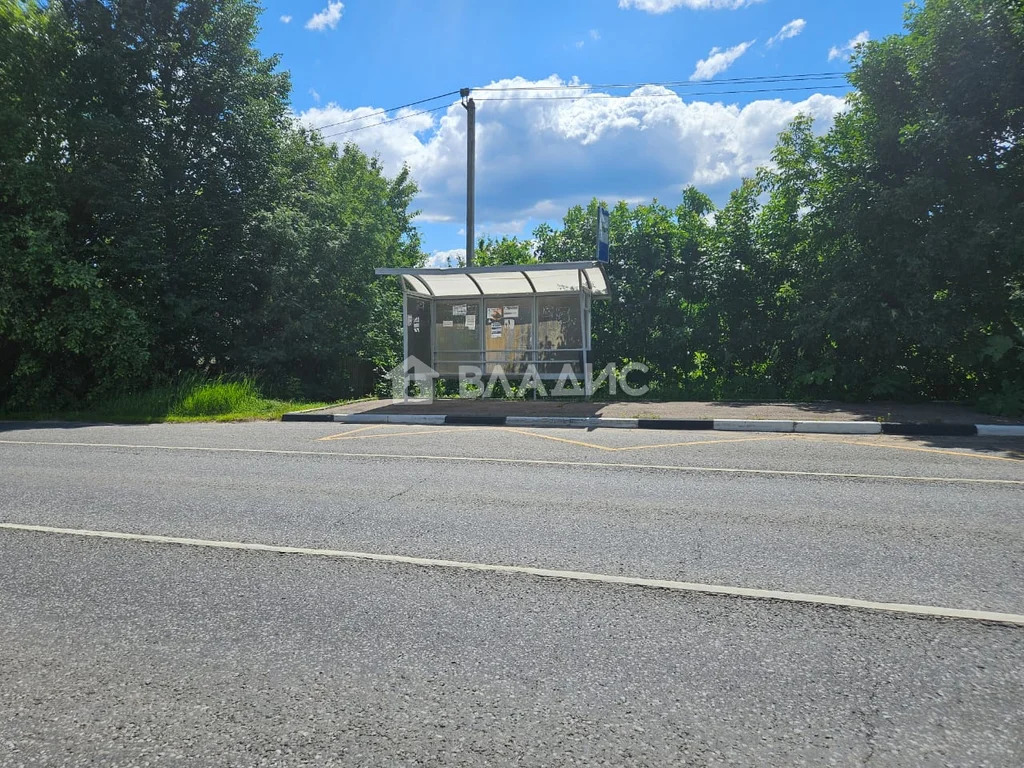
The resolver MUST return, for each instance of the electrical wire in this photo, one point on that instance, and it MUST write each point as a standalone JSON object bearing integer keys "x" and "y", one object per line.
{"x": 656, "y": 95}
{"x": 389, "y": 109}
{"x": 386, "y": 122}
{"x": 758, "y": 80}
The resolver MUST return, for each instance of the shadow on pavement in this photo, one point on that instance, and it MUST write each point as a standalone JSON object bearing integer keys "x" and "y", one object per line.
{"x": 1008, "y": 447}
{"x": 24, "y": 426}
{"x": 926, "y": 413}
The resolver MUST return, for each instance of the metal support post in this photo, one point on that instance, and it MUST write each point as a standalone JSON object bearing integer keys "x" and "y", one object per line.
{"x": 470, "y": 106}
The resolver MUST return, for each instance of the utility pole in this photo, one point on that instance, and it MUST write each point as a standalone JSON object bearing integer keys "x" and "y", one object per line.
{"x": 470, "y": 106}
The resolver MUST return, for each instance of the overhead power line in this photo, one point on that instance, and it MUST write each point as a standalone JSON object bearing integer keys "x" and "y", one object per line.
{"x": 656, "y": 95}
{"x": 816, "y": 81}
{"x": 389, "y": 109}
{"x": 386, "y": 122}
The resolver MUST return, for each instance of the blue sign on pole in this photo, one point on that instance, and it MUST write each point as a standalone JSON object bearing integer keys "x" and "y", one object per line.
{"x": 603, "y": 228}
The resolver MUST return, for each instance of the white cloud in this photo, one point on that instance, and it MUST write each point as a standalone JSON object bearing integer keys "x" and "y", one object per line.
{"x": 328, "y": 18}
{"x": 536, "y": 157}
{"x": 315, "y": 95}
{"x": 286, "y": 19}
{"x": 395, "y": 142}
{"x": 595, "y": 35}
{"x": 718, "y": 61}
{"x": 579, "y": 44}
{"x": 792, "y": 29}
{"x": 456, "y": 257}
{"x": 664, "y": 6}
{"x": 844, "y": 52}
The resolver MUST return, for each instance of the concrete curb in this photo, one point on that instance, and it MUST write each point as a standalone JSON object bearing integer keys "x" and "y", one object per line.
{"x": 1000, "y": 430}
{"x": 719, "y": 425}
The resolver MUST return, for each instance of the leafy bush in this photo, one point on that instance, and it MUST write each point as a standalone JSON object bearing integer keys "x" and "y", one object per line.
{"x": 1008, "y": 401}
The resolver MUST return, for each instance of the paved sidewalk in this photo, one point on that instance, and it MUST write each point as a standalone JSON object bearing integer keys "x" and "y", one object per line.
{"x": 922, "y": 413}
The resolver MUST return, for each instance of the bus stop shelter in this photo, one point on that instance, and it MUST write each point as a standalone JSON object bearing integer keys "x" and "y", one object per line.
{"x": 512, "y": 316}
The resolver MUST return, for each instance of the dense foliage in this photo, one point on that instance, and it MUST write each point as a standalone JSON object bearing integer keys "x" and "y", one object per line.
{"x": 161, "y": 213}
{"x": 882, "y": 260}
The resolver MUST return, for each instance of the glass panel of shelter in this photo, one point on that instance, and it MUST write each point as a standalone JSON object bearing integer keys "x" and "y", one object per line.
{"x": 458, "y": 335}
{"x": 417, "y": 328}
{"x": 508, "y": 337}
{"x": 560, "y": 337}
{"x": 549, "y": 331}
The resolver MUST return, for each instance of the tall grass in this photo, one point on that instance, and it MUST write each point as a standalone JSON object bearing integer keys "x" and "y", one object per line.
{"x": 218, "y": 398}
{"x": 192, "y": 397}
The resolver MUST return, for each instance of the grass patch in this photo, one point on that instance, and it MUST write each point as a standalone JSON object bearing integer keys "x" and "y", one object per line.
{"x": 220, "y": 398}
{"x": 191, "y": 399}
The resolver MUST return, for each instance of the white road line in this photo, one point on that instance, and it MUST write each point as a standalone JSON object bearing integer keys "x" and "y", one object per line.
{"x": 527, "y": 462}
{"x": 547, "y": 573}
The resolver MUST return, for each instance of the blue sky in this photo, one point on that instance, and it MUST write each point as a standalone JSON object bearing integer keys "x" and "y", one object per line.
{"x": 538, "y": 155}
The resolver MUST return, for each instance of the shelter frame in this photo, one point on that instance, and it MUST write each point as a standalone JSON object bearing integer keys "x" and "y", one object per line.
{"x": 512, "y": 316}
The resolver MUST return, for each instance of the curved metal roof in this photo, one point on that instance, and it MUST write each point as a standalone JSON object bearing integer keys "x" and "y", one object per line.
{"x": 505, "y": 280}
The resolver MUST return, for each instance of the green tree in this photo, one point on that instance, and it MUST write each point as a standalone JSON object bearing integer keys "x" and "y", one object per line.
{"x": 64, "y": 329}
{"x": 321, "y": 317}
{"x": 926, "y": 179}
{"x": 655, "y": 258}
{"x": 507, "y": 250}
{"x": 160, "y": 212}
{"x": 184, "y": 120}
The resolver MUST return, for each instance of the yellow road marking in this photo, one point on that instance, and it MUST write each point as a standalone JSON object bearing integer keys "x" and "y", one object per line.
{"x": 425, "y": 430}
{"x": 351, "y": 435}
{"x": 560, "y": 439}
{"x": 350, "y": 432}
{"x": 608, "y": 449}
{"x": 641, "y": 447}
{"x": 933, "y": 611}
{"x": 702, "y": 442}
{"x": 402, "y": 434}
{"x": 522, "y": 462}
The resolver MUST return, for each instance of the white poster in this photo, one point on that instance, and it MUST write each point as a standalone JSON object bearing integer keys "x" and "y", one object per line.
{"x": 415, "y": 325}
{"x": 470, "y": 322}
{"x": 512, "y": 311}
{"x": 448, "y": 323}
{"x": 408, "y": 319}
{"x": 458, "y": 310}
{"x": 495, "y": 330}
{"x": 510, "y": 324}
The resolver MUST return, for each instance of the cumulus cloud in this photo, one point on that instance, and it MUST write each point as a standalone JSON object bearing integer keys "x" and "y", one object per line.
{"x": 396, "y": 141}
{"x": 538, "y": 156}
{"x": 286, "y": 19}
{"x": 792, "y": 29}
{"x": 328, "y": 18}
{"x": 664, "y": 6}
{"x": 456, "y": 257}
{"x": 845, "y": 51}
{"x": 718, "y": 61}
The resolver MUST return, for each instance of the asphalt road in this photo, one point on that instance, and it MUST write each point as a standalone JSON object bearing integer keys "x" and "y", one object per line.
{"x": 132, "y": 653}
